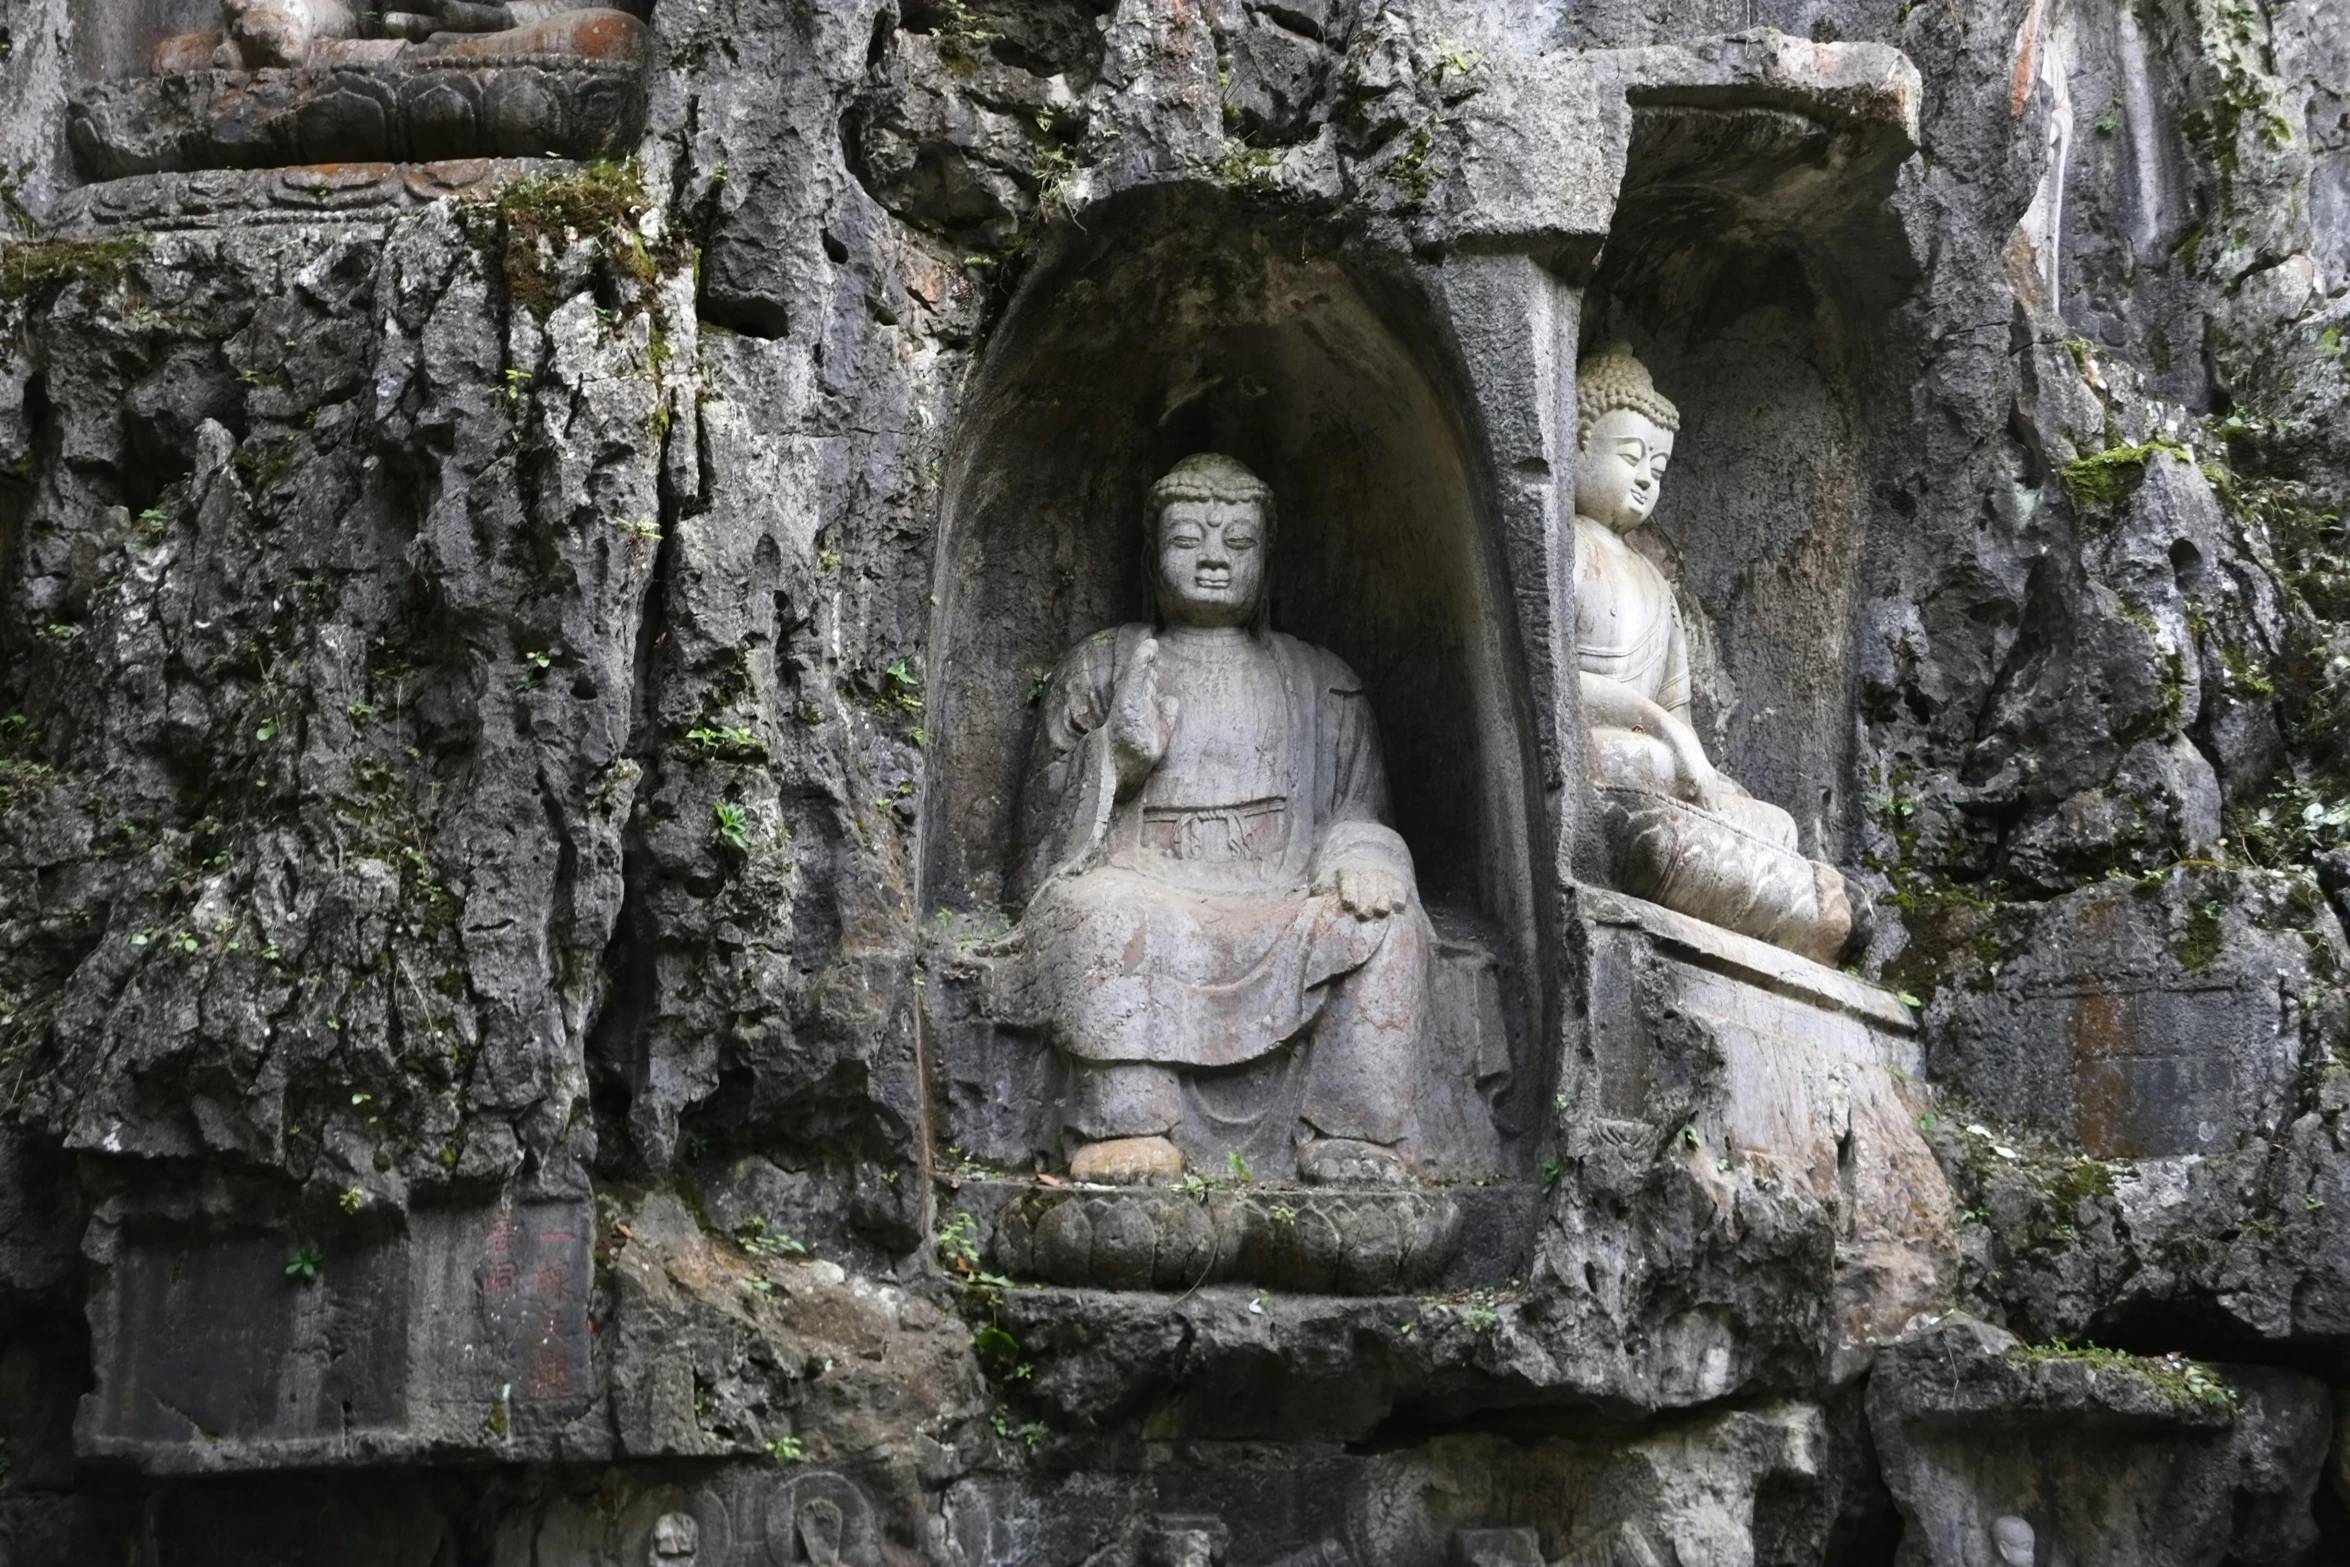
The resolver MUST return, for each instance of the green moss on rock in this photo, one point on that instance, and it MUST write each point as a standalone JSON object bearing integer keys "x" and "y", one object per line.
{"x": 26, "y": 269}
{"x": 604, "y": 201}
{"x": 2097, "y": 484}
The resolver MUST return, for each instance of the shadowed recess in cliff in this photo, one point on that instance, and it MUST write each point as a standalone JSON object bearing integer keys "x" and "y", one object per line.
{"x": 1754, "y": 263}
{"x": 1172, "y": 326}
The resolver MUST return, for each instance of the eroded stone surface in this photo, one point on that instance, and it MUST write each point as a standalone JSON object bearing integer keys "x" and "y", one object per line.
{"x": 2000, "y": 531}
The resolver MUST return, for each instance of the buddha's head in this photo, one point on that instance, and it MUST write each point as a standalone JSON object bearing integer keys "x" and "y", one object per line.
{"x": 1211, "y": 525}
{"x": 2013, "y": 1539}
{"x": 1623, "y": 439}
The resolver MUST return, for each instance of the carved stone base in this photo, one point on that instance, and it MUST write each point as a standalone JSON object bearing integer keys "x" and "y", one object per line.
{"x": 221, "y": 198}
{"x": 559, "y": 106}
{"x": 1788, "y": 1074}
{"x": 1306, "y": 1239}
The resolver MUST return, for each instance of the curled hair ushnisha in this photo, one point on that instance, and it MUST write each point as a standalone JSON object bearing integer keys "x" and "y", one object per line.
{"x": 1613, "y": 379}
{"x": 1210, "y": 476}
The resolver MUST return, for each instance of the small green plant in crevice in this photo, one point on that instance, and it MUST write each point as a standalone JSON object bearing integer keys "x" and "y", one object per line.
{"x": 901, "y": 689}
{"x": 756, "y": 1237}
{"x": 514, "y": 383}
{"x": 1250, "y": 170}
{"x": 19, "y": 780}
{"x": 999, "y": 1352}
{"x": 785, "y": 1449}
{"x": 2079, "y": 1180}
{"x": 736, "y": 741}
{"x": 2292, "y": 827}
{"x": 302, "y": 1263}
{"x": 1053, "y": 166}
{"x": 1032, "y": 1432}
{"x": 1411, "y": 172}
{"x": 731, "y": 828}
{"x": 958, "y": 1243}
{"x": 959, "y": 35}
{"x": 2198, "y": 947}
{"x": 1238, "y": 1166}
{"x": 1456, "y": 60}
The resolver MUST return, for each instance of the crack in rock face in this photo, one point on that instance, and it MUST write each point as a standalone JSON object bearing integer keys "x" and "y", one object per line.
{"x": 1243, "y": 783}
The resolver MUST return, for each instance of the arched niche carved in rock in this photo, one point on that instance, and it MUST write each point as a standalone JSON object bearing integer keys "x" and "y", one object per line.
{"x": 1755, "y": 266}
{"x": 1173, "y": 326}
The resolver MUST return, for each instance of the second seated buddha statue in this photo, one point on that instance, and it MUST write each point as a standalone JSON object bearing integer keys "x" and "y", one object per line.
{"x": 1677, "y": 830}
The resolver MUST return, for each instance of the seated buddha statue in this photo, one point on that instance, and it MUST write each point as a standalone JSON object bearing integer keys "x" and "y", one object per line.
{"x": 1675, "y": 829}
{"x": 1211, "y": 885}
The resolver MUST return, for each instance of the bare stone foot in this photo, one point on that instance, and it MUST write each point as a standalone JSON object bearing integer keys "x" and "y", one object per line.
{"x": 1341, "y": 1161}
{"x": 1127, "y": 1161}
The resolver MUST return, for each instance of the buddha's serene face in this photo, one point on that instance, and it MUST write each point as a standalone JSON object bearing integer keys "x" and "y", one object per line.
{"x": 1621, "y": 469}
{"x": 1211, "y": 562}
{"x": 2014, "y": 1540}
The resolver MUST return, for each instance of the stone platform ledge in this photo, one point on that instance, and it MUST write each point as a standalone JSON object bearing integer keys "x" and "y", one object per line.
{"x": 1761, "y": 965}
{"x": 1306, "y": 1239}
{"x": 304, "y": 193}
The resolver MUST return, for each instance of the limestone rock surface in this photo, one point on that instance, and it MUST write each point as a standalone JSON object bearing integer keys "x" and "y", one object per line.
{"x": 513, "y": 671}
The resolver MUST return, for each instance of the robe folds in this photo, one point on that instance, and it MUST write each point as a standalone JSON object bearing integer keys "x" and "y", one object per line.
{"x": 1178, "y": 926}
{"x": 1737, "y": 864}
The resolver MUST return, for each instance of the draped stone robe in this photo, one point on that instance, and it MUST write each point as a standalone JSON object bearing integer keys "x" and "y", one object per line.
{"x": 1737, "y": 865}
{"x": 1628, "y": 620}
{"x": 1178, "y": 926}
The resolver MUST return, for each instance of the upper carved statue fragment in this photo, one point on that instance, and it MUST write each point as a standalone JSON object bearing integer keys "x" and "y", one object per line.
{"x": 257, "y": 34}
{"x": 1676, "y": 830}
{"x": 285, "y": 83}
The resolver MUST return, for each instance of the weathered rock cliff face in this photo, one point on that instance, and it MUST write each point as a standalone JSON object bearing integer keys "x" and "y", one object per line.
{"x": 513, "y": 675}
